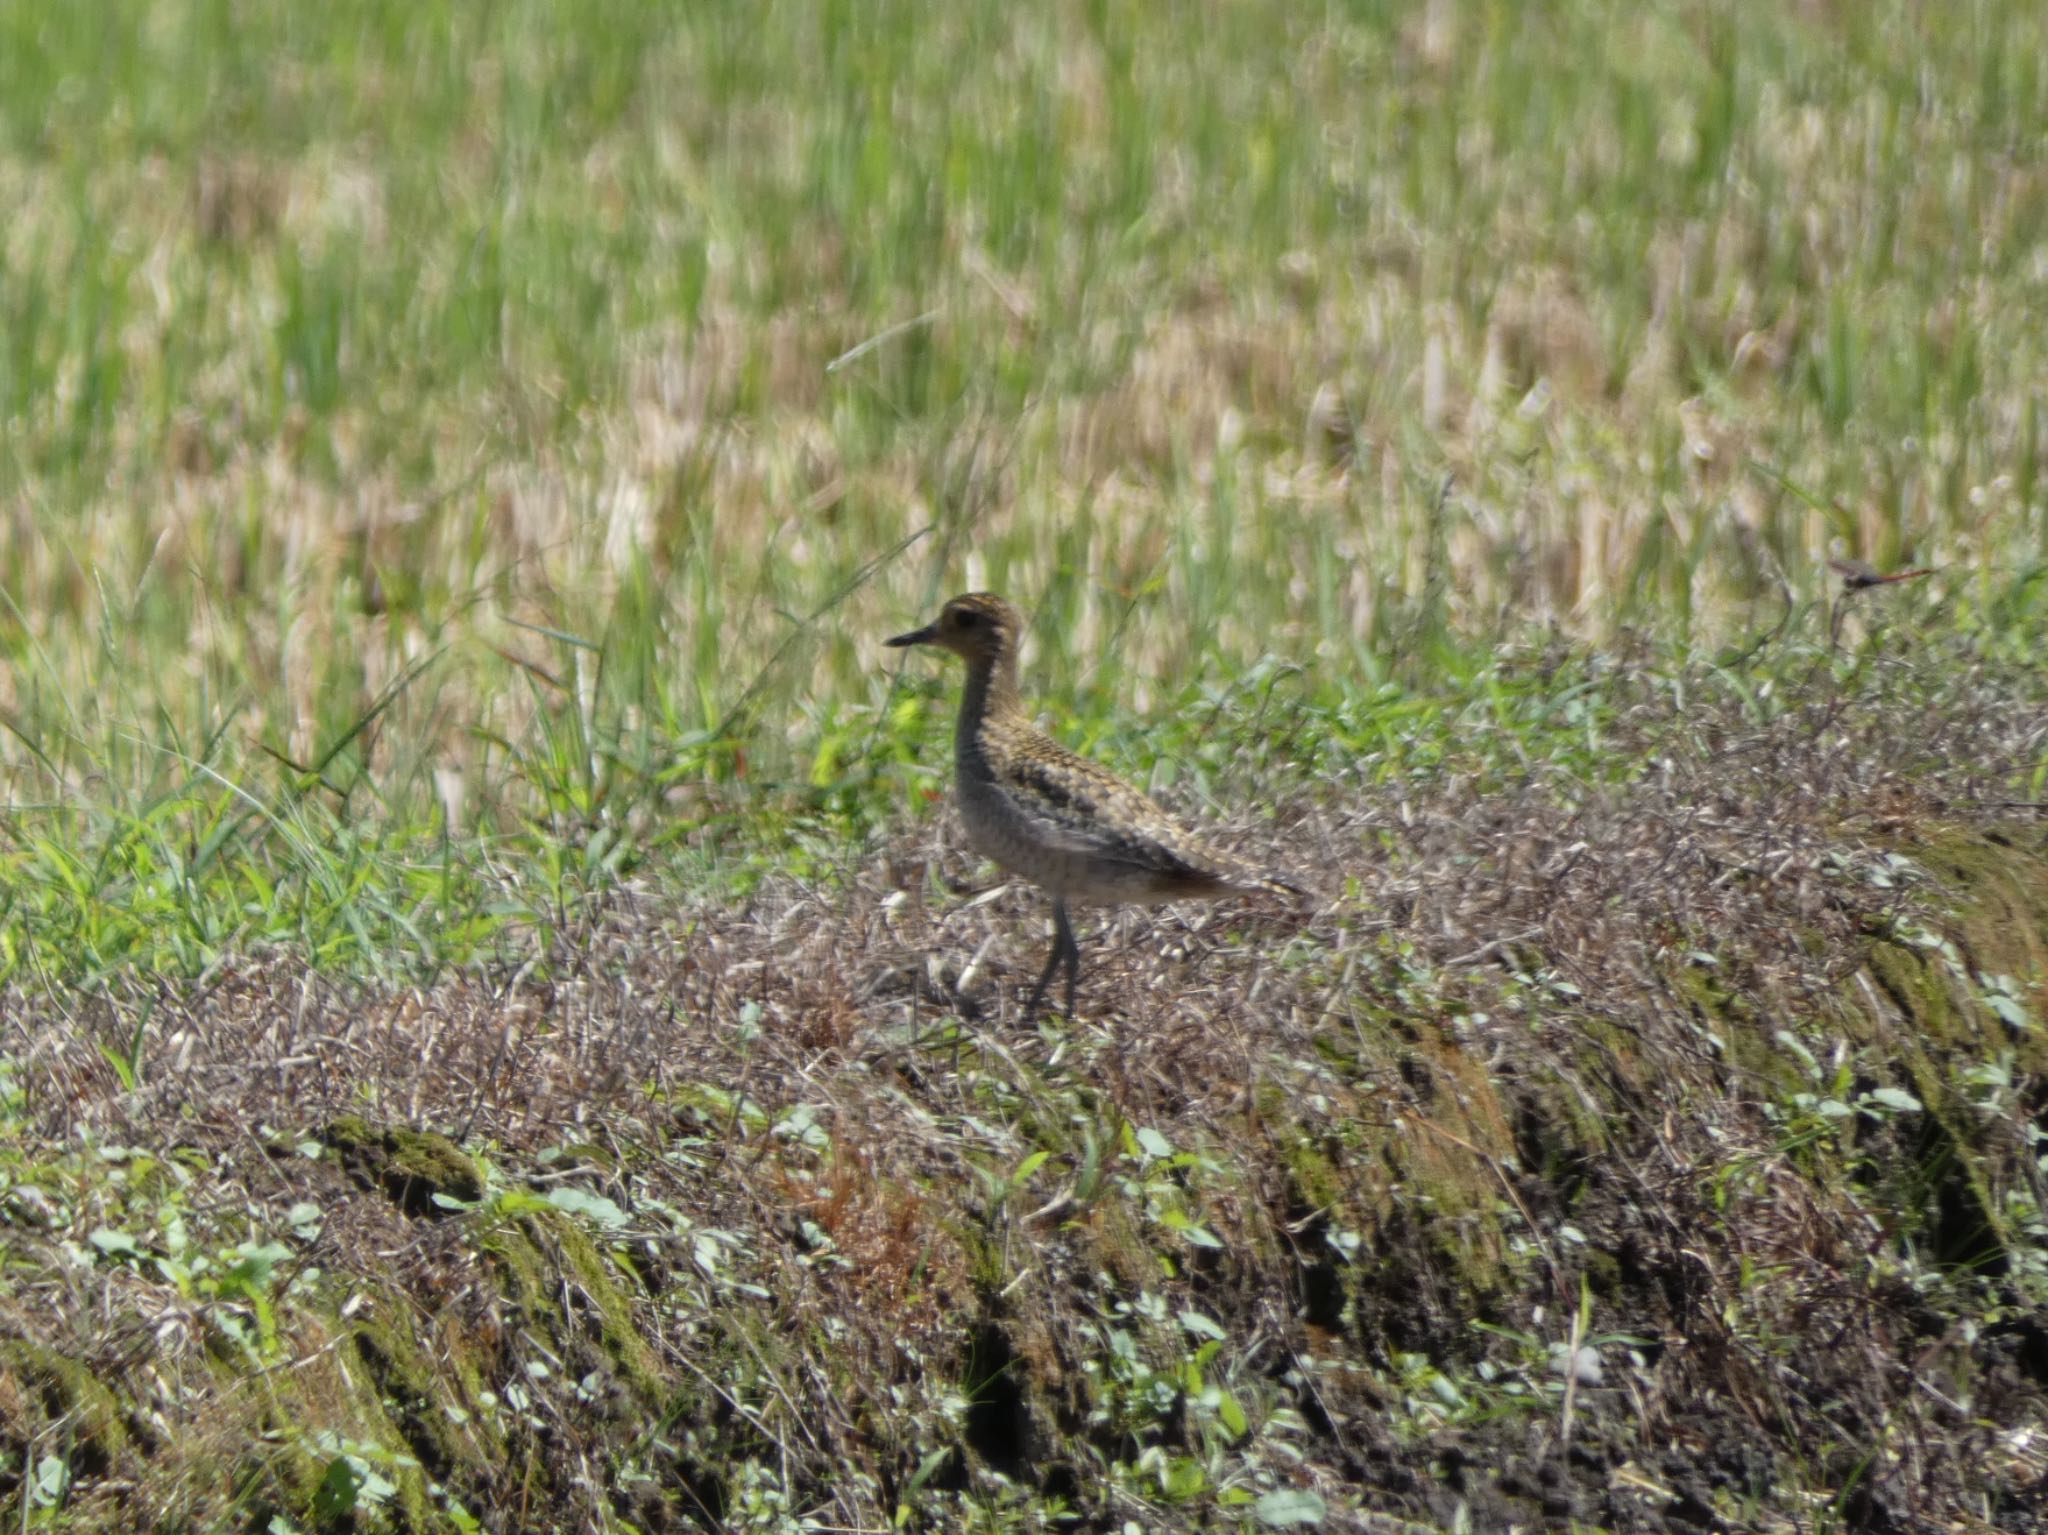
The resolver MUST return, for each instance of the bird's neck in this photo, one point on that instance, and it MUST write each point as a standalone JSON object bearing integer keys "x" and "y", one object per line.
{"x": 991, "y": 694}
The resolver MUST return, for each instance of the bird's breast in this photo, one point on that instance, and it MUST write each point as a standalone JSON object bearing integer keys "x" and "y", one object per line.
{"x": 1006, "y": 824}
{"x": 1001, "y": 828}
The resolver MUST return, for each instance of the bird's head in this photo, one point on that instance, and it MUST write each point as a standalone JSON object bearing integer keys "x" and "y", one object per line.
{"x": 979, "y": 627}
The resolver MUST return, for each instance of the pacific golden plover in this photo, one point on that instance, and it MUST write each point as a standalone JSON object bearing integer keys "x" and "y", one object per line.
{"x": 1051, "y": 816}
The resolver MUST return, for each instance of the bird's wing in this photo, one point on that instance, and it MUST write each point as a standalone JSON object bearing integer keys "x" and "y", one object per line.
{"x": 1089, "y": 812}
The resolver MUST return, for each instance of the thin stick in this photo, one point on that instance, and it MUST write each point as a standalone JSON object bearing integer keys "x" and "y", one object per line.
{"x": 1571, "y": 1375}
{"x": 881, "y": 338}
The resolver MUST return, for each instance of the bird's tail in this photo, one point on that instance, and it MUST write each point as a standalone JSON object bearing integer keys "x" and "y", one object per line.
{"x": 1280, "y": 885}
{"x": 1232, "y": 871}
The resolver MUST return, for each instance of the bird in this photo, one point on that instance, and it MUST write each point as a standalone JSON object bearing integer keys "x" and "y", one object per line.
{"x": 1052, "y": 816}
{"x": 1857, "y": 576}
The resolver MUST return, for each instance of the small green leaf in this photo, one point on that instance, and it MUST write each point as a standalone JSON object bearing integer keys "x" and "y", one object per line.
{"x": 1183, "y": 1478}
{"x": 1154, "y": 1145}
{"x": 1277, "y": 1510}
{"x": 259, "y": 1264}
{"x": 2009, "y": 1009}
{"x": 53, "y": 1480}
{"x": 1231, "y": 1415}
{"x": 928, "y": 1467}
{"x": 1895, "y": 1098}
{"x": 335, "y": 1498}
{"x": 801, "y": 1125}
{"x": 594, "y": 1207}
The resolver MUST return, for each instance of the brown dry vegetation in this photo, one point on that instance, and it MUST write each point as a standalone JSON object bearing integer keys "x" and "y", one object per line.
{"x": 1614, "y": 1063}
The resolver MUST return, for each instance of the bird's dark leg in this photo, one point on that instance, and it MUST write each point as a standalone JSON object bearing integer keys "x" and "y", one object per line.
{"x": 1064, "y": 951}
{"x": 1052, "y": 963}
{"x": 1066, "y": 936}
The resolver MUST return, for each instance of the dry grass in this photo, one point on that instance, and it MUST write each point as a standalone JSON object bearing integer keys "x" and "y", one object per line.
{"x": 1559, "y": 1043}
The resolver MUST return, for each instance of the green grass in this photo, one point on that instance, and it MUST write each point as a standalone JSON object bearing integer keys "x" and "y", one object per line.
{"x": 456, "y": 456}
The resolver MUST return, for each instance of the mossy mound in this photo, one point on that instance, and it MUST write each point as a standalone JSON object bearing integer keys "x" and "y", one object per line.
{"x": 1653, "y": 1156}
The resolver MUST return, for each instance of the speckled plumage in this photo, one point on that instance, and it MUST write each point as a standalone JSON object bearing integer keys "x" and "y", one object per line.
{"x": 1052, "y": 816}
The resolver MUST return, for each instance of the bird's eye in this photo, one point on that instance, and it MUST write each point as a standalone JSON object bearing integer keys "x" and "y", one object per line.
{"x": 966, "y": 620}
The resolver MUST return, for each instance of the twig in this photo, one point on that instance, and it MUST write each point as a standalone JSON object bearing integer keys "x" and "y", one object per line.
{"x": 1487, "y": 950}
{"x": 1571, "y": 1376}
{"x": 881, "y": 338}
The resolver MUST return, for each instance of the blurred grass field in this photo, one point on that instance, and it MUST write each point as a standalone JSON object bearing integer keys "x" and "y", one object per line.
{"x": 455, "y": 455}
